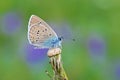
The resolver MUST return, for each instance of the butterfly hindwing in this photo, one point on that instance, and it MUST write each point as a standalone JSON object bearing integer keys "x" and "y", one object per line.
{"x": 39, "y": 32}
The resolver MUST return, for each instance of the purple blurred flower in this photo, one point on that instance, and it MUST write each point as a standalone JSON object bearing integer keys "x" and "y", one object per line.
{"x": 35, "y": 59}
{"x": 35, "y": 55}
{"x": 117, "y": 70}
{"x": 96, "y": 45}
{"x": 11, "y": 22}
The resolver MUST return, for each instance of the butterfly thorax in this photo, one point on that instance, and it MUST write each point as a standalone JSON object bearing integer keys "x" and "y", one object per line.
{"x": 53, "y": 42}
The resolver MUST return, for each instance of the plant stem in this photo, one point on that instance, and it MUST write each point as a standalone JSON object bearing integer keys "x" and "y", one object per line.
{"x": 56, "y": 63}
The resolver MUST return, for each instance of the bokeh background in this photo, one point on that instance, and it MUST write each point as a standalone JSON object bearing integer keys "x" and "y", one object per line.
{"x": 91, "y": 48}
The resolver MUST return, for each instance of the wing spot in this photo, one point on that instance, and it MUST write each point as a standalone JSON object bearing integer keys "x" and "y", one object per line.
{"x": 39, "y": 23}
{"x": 32, "y": 37}
{"x": 50, "y": 34}
{"x": 45, "y": 29}
{"x": 38, "y": 32}
{"x": 32, "y": 41}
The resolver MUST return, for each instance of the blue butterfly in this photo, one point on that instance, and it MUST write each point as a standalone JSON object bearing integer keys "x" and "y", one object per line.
{"x": 41, "y": 35}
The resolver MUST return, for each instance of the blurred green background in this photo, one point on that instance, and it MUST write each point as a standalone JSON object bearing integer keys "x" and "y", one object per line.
{"x": 93, "y": 55}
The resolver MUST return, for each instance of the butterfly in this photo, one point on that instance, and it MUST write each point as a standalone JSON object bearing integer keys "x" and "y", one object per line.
{"x": 41, "y": 35}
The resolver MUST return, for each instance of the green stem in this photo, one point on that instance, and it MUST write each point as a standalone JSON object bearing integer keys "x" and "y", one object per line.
{"x": 59, "y": 72}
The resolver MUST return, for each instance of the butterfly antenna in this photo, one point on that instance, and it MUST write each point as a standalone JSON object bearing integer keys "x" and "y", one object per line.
{"x": 73, "y": 39}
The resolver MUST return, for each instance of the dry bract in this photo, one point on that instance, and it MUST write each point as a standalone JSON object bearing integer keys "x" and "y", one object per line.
{"x": 53, "y": 52}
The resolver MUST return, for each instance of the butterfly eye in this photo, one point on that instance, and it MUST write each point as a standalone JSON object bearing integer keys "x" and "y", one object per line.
{"x": 59, "y": 39}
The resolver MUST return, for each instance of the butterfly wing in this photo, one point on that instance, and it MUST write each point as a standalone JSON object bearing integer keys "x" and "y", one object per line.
{"x": 39, "y": 32}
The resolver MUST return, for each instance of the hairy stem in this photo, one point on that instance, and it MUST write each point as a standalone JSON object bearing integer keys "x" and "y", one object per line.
{"x": 56, "y": 63}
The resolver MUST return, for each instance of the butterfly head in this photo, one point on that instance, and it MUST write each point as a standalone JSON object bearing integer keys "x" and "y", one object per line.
{"x": 57, "y": 42}
{"x": 60, "y": 38}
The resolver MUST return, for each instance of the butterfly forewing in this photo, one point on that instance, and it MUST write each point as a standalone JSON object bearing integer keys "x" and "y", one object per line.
{"x": 39, "y": 31}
